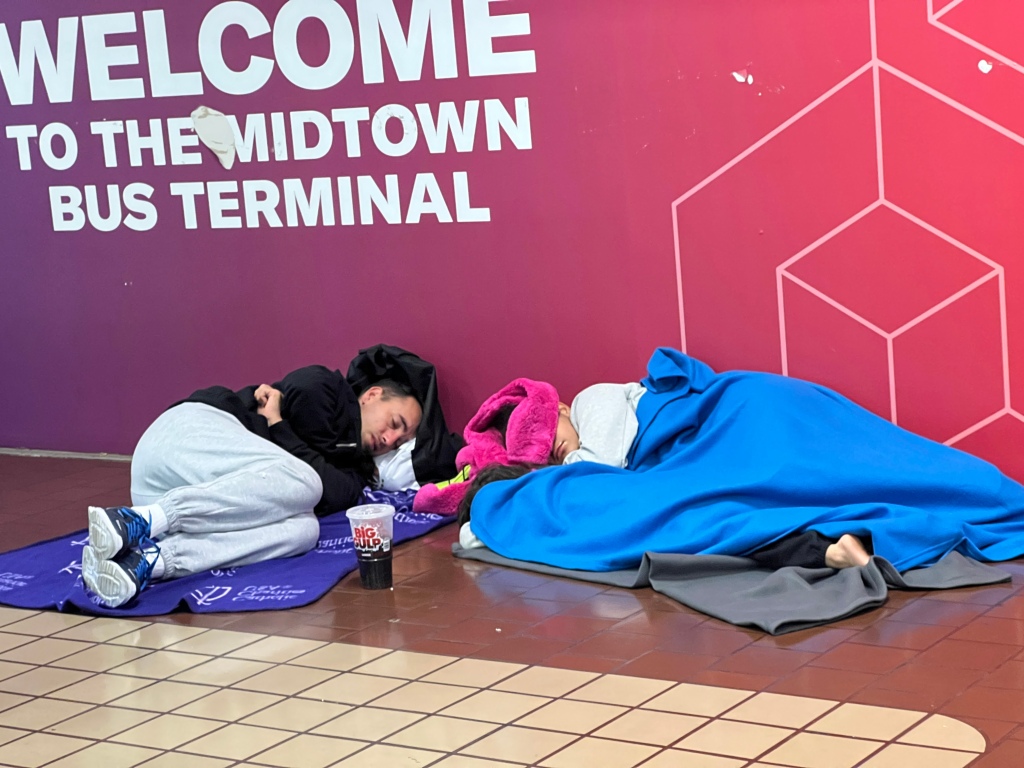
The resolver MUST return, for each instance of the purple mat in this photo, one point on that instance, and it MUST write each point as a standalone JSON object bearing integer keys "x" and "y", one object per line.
{"x": 48, "y": 575}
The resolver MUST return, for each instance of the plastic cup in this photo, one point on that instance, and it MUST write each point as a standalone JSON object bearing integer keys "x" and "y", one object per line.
{"x": 372, "y": 529}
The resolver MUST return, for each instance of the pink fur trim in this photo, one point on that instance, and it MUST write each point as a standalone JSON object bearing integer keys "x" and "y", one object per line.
{"x": 528, "y": 439}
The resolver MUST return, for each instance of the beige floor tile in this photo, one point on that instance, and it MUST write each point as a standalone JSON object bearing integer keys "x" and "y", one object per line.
{"x": 9, "y": 641}
{"x": 866, "y": 722}
{"x": 703, "y": 700}
{"x": 423, "y": 697}
{"x": 599, "y": 752}
{"x": 475, "y": 672}
{"x": 339, "y": 656}
{"x": 10, "y": 734}
{"x": 542, "y": 681}
{"x": 942, "y": 731}
{"x": 462, "y": 761}
{"x": 178, "y": 760}
{"x": 40, "y": 714}
{"x": 10, "y": 669}
{"x": 406, "y": 665}
{"x": 101, "y": 658}
{"x": 101, "y": 630}
{"x": 778, "y": 709}
{"x": 620, "y": 689}
{"x": 307, "y": 751}
{"x": 222, "y": 671}
{"x": 387, "y": 756}
{"x": 812, "y": 750}
{"x": 367, "y": 723}
{"x": 106, "y": 756}
{"x": 167, "y": 731}
{"x": 677, "y": 758}
{"x": 159, "y": 665}
{"x": 907, "y": 756}
{"x": 521, "y": 745}
{"x": 285, "y": 680}
{"x": 157, "y": 636}
{"x": 445, "y": 734}
{"x": 296, "y": 714}
{"x": 101, "y": 689}
{"x": 228, "y": 705}
{"x": 8, "y": 700}
{"x": 164, "y": 696}
{"x": 45, "y": 623}
{"x": 235, "y": 742}
{"x": 102, "y": 722}
{"x": 351, "y": 688}
{"x": 649, "y": 727}
{"x": 276, "y": 650}
{"x": 496, "y": 706}
{"x": 723, "y": 737}
{"x": 11, "y": 615}
{"x": 39, "y": 748}
{"x": 39, "y": 681}
{"x": 216, "y": 642}
{"x": 571, "y": 716}
{"x": 44, "y": 650}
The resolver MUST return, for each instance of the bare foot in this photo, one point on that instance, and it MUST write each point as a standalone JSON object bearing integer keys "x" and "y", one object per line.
{"x": 846, "y": 553}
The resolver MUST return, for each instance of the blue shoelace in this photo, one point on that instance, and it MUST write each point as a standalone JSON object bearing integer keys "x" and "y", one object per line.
{"x": 136, "y": 526}
{"x": 143, "y": 568}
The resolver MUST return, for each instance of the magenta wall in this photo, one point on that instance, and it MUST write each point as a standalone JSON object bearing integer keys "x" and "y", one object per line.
{"x": 830, "y": 189}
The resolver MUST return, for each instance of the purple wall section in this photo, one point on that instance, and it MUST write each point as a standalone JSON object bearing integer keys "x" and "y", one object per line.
{"x": 774, "y": 169}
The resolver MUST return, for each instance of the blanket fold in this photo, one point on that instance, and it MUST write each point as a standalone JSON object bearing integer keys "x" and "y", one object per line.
{"x": 735, "y": 590}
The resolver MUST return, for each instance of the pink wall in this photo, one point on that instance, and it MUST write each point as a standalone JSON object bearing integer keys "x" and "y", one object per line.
{"x": 831, "y": 189}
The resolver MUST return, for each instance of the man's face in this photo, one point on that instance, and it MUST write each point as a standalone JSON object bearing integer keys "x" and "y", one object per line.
{"x": 387, "y": 422}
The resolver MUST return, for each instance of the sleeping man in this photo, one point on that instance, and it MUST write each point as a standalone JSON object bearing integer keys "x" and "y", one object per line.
{"x": 688, "y": 461}
{"x": 226, "y": 478}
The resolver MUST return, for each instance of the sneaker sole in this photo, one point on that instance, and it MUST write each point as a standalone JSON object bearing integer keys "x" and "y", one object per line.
{"x": 103, "y": 536}
{"x": 106, "y": 579}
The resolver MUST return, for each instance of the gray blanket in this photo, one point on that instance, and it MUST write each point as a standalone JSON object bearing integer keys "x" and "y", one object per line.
{"x": 735, "y": 590}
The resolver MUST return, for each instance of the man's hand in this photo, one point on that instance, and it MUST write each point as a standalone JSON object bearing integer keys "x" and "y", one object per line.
{"x": 269, "y": 401}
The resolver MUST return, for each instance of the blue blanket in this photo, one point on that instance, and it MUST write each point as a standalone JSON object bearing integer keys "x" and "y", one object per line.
{"x": 728, "y": 463}
{"x": 48, "y": 575}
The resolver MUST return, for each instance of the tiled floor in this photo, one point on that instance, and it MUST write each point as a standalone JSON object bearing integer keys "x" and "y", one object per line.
{"x": 950, "y": 662}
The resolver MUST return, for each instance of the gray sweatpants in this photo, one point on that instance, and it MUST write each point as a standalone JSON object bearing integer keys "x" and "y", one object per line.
{"x": 231, "y": 497}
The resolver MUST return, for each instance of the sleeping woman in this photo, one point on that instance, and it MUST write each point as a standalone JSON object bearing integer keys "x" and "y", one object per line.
{"x": 739, "y": 463}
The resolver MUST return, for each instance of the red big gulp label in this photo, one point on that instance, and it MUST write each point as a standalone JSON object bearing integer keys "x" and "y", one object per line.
{"x": 368, "y": 541}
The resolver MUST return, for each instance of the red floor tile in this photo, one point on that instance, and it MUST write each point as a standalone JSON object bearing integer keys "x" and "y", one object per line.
{"x": 523, "y": 650}
{"x": 582, "y": 663}
{"x": 864, "y": 658}
{"x": 617, "y": 645}
{"x": 823, "y": 682}
{"x": 897, "y": 634}
{"x": 764, "y": 661}
{"x": 988, "y": 704}
{"x": 816, "y": 640}
{"x": 987, "y": 629}
{"x": 928, "y": 610}
{"x": 967, "y": 654}
{"x": 667, "y": 666}
{"x": 569, "y": 628}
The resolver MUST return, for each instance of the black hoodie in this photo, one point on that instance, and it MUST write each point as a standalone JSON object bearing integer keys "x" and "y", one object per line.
{"x": 320, "y": 424}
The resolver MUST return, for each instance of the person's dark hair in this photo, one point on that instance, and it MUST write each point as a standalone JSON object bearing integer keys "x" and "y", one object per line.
{"x": 394, "y": 388}
{"x": 489, "y": 474}
{"x": 500, "y": 419}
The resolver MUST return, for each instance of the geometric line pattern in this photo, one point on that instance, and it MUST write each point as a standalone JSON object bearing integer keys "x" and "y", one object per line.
{"x": 783, "y": 273}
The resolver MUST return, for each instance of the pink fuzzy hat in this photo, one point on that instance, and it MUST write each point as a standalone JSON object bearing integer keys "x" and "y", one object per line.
{"x": 528, "y": 439}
